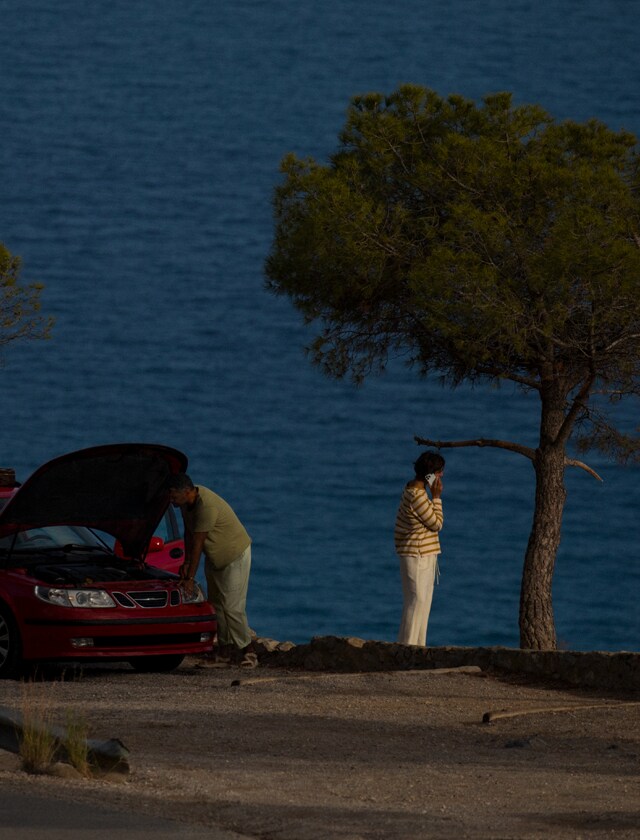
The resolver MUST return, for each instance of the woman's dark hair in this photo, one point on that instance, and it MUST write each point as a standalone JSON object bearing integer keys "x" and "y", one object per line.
{"x": 428, "y": 462}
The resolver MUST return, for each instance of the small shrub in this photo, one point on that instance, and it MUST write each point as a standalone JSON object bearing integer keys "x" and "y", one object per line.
{"x": 37, "y": 742}
{"x": 75, "y": 743}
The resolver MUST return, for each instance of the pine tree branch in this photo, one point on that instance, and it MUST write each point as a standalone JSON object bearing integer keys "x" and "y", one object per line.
{"x": 578, "y": 403}
{"x": 527, "y": 451}
{"x": 571, "y": 462}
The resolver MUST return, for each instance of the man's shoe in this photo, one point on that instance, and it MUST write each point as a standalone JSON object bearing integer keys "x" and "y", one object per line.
{"x": 249, "y": 659}
{"x": 215, "y": 659}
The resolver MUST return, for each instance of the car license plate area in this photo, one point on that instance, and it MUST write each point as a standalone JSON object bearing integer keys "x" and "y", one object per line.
{"x": 154, "y": 640}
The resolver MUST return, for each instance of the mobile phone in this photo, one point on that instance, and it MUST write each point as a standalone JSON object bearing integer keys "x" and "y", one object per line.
{"x": 430, "y": 479}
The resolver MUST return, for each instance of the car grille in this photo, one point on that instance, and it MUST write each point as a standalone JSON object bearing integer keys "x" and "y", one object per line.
{"x": 149, "y": 599}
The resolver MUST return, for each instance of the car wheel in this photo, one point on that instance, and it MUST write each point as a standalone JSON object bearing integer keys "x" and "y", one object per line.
{"x": 9, "y": 644}
{"x": 156, "y": 664}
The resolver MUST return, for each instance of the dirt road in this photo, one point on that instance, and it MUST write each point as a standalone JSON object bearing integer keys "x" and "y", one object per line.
{"x": 301, "y": 756}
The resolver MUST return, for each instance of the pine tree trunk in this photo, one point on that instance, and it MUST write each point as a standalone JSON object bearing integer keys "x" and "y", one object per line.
{"x": 537, "y": 625}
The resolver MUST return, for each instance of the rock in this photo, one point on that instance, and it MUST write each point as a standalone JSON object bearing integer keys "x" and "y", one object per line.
{"x": 64, "y": 771}
{"x": 596, "y": 669}
{"x": 265, "y": 645}
{"x": 108, "y": 756}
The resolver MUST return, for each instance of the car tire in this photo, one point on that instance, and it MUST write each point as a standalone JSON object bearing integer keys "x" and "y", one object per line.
{"x": 10, "y": 647}
{"x": 156, "y": 664}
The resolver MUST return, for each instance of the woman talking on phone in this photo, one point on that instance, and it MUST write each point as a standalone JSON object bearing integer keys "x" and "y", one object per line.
{"x": 418, "y": 522}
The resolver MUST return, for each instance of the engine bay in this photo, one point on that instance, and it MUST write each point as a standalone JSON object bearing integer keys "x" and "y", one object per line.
{"x": 87, "y": 572}
{"x": 83, "y": 570}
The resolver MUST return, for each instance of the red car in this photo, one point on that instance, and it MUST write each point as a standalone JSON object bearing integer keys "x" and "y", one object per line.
{"x": 166, "y": 548}
{"x": 76, "y": 582}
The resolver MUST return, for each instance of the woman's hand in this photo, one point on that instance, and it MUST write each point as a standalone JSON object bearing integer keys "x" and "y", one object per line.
{"x": 436, "y": 487}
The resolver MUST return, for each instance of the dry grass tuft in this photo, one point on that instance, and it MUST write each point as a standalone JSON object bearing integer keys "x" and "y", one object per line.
{"x": 75, "y": 743}
{"x": 37, "y": 742}
{"x": 40, "y": 747}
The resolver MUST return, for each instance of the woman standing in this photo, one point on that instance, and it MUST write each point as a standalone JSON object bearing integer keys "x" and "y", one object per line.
{"x": 418, "y": 521}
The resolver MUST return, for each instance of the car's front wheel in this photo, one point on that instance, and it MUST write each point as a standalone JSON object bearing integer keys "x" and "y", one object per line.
{"x": 9, "y": 644}
{"x": 156, "y": 664}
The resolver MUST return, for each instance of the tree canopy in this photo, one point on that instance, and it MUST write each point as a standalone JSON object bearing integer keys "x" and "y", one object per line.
{"x": 482, "y": 242}
{"x": 19, "y": 303}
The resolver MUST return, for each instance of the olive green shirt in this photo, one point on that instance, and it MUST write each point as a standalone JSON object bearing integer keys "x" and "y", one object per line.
{"x": 226, "y": 536}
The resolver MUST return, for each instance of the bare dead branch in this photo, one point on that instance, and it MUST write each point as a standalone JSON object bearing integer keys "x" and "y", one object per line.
{"x": 527, "y": 451}
{"x": 571, "y": 462}
{"x": 491, "y": 717}
{"x": 621, "y": 340}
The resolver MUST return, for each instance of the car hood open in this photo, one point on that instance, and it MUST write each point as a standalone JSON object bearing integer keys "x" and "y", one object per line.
{"x": 121, "y": 489}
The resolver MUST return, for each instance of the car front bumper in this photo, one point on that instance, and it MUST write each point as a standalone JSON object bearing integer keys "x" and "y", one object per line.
{"x": 71, "y": 637}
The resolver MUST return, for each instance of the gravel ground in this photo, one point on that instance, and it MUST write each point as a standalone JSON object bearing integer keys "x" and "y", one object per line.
{"x": 302, "y": 756}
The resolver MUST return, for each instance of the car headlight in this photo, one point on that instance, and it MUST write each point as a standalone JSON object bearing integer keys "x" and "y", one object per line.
{"x": 87, "y": 598}
{"x": 196, "y": 596}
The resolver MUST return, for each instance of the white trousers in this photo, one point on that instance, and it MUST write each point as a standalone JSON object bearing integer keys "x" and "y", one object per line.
{"x": 227, "y": 591}
{"x": 418, "y": 575}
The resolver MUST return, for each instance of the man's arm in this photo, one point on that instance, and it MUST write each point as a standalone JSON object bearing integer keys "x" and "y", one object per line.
{"x": 193, "y": 546}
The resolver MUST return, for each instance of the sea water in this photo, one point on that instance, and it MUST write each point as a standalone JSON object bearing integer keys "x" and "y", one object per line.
{"x": 139, "y": 151}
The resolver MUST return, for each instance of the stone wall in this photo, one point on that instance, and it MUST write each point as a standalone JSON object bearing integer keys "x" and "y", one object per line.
{"x": 616, "y": 672}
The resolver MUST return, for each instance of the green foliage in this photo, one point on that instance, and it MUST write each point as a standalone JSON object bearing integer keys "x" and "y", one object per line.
{"x": 19, "y": 303}
{"x": 480, "y": 241}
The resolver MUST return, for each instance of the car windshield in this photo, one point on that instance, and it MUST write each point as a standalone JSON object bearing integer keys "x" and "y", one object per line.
{"x": 51, "y": 538}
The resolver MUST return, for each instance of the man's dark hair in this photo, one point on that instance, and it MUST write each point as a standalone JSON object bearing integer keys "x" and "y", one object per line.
{"x": 180, "y": 481}
{"x": 428, "y": 462}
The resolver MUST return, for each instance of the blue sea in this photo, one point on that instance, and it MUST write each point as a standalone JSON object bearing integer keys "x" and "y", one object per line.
{"x": 139, "y": 149}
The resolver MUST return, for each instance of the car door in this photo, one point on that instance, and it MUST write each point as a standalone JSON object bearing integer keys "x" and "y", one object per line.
{"x": 166, "y": 549}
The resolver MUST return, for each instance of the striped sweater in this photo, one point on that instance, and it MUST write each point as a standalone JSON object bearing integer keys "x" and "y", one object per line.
{"x": 417, "y": 523}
